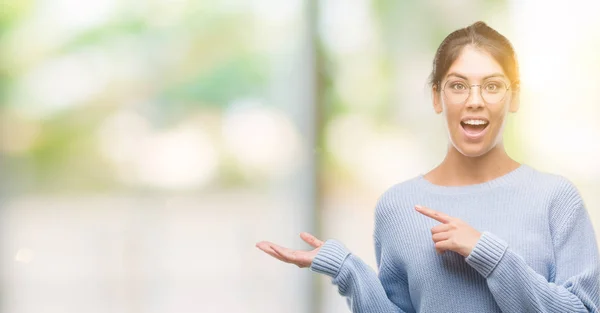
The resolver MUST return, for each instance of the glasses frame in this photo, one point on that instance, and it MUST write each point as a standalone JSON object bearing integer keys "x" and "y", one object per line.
{"x": 480, "y": 92}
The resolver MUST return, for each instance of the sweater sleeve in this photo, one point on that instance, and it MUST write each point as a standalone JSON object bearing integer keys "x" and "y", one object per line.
{"x": 574, "y": 287}
{"x": 356, "y": 281}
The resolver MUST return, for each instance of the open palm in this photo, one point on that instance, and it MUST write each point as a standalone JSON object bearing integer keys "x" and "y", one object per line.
{"x": 298, "y": 257}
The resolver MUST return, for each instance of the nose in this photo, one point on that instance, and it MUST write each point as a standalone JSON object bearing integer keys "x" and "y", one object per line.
{"x": 475, "y": 99}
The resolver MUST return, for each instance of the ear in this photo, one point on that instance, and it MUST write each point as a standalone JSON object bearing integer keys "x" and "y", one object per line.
{"x": 515, "y": 102}
{"x": 437, "y": 100}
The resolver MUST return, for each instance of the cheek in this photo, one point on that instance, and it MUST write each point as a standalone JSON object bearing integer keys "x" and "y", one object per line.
{"x": 499, "y": 113}
{"x": 498, "y": 117}
{"x": 452, "y": 114}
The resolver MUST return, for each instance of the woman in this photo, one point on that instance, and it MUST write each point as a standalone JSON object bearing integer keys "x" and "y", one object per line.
{"x": 480, "y": 232}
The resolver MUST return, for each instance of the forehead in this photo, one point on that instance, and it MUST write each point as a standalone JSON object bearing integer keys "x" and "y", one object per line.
{"x": 475, "y": 63}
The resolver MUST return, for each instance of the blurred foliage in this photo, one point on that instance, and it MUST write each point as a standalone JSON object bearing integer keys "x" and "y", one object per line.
{"x": 205, "y": 58}
{"x": 67, "y": 156}
{"x": 219, "y": 86}
{"x": 11, "y": 12}
{"x": 207, "y": 71}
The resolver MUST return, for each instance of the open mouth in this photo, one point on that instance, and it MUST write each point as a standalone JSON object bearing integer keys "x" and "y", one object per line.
{"x": 474, "y": 127}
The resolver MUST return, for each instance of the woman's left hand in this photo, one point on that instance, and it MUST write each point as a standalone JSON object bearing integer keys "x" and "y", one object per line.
{"x": 453, "y": 234}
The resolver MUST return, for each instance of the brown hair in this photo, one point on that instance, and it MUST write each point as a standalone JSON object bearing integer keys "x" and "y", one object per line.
{"x": 481, "y": 36}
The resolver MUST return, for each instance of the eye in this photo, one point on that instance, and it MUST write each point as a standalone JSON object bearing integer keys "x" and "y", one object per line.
{"x": 493, "y": 86}
{"x": 458, "y": 86}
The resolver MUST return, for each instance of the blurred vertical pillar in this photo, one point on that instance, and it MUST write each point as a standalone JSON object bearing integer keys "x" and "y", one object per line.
{"x": 310, "y": 123}
{"x": 315, "y": 54}
{"x": 302, "y": 83}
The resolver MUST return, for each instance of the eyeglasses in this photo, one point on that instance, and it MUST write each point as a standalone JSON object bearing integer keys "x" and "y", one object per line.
{"x": 492, "y": 91}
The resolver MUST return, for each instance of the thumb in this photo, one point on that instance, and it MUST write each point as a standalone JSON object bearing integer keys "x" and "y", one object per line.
{"x": 311, "y": 240}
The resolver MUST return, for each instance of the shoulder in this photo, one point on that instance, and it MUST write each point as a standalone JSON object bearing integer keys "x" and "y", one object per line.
{"x": 561, "y": 189}
{"x": 567, "y": 203}
{"x": 398, "y": 197}
{"x": 399, "y": 191}
{"x": 393, "y": 205}
{"x": 565, "y": 200}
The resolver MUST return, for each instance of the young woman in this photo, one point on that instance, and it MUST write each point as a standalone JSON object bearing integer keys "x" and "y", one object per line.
{"x": 480, "y": 232}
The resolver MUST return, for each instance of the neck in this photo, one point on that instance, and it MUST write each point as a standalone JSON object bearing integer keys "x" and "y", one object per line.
{"x": 457, "y": 169}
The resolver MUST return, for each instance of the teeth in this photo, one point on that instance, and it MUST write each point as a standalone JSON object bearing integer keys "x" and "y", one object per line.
{"x": 475, "y": 122}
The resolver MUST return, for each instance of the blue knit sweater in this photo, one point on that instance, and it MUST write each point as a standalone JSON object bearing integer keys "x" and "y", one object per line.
{"x": 537, "y": 252}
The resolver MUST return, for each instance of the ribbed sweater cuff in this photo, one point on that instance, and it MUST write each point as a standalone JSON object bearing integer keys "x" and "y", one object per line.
{"x": 487, "y": 253}
{"x": 330, "y": 258}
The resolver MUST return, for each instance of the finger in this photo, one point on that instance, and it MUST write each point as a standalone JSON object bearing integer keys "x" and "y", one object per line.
{"x": 440, "y": 251}
{"x": 264, "y": 246}
{"x": 444, "y": 245}
{"x": 440, "y": 236}
{"x": 287, "y": 254}
{"x": 276, "y": 255}
{"x": 438, "y": 216}
{"x": 311, "y": 240}
{"x": 441, "y": 228}
{"x": 267, "y": 249}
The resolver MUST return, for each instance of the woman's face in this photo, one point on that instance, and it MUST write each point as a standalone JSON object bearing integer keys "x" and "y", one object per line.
{"x": 475, "y": 122}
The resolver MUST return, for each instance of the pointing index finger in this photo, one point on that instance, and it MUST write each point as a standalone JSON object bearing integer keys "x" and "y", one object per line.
{"x": 438, "y": 216}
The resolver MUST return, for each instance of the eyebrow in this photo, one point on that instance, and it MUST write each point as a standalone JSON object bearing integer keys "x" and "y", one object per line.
{"x": 465, "y": 78}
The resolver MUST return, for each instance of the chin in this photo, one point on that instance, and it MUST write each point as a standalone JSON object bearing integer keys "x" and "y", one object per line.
{"x": 473, "y": 150}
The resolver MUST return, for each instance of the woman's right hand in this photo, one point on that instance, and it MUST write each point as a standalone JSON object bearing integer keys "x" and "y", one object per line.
{"x": 298, "y": 257}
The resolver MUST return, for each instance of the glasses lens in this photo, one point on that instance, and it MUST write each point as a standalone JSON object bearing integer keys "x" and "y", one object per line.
{"x": 493, "y": 91}
{"x": 456, "y": 91}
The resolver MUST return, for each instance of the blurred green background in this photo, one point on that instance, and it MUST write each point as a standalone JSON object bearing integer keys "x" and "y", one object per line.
{"x": 146, "y": 146}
